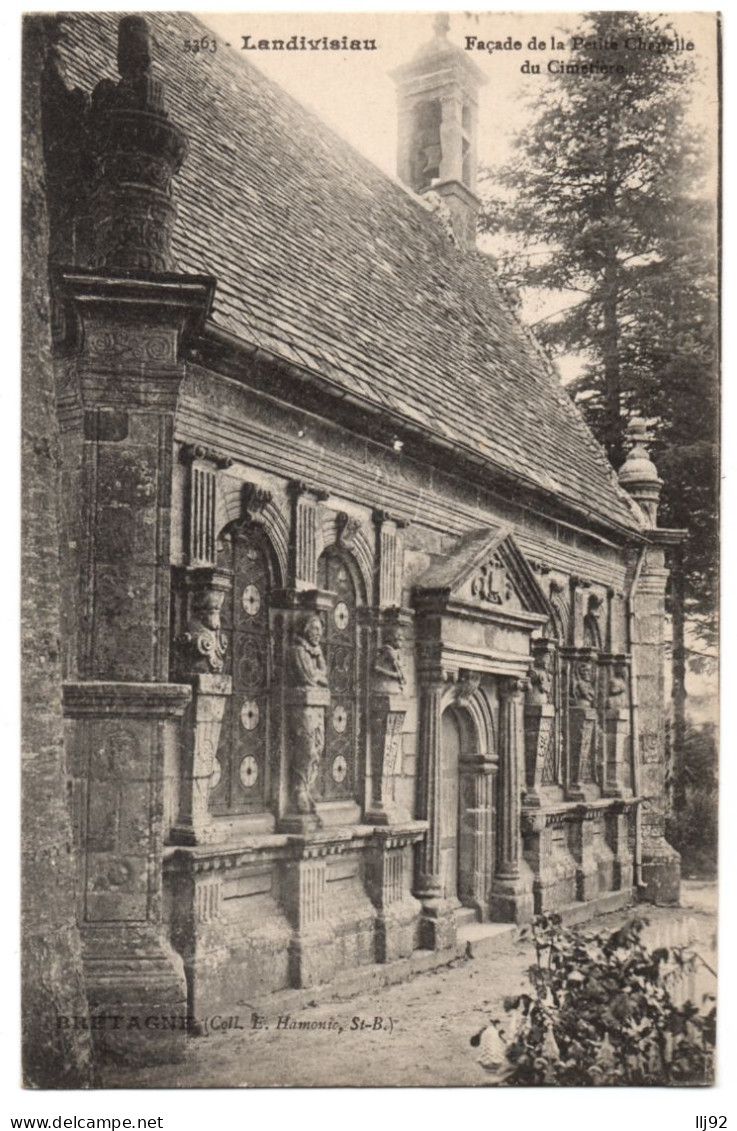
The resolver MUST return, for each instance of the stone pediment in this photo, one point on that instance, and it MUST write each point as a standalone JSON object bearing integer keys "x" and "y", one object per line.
{"x": 488, "y": 571}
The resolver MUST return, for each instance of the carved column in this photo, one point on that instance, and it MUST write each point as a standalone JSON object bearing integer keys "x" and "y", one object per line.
{"x": 438, "y": 929}
{"x": 511, "y": 898}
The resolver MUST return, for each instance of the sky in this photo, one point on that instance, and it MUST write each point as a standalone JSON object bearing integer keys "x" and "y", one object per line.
{"x": 355, "y": 93}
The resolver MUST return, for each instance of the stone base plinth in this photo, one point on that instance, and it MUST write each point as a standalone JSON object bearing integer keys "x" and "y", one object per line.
{"x": 661, "y": 874}
{"x": 312, "y": 956}
{"x": 397, "y": 930}
{"x": 137, "y": 996}
{"x": 438, "y": 929}
{"x": 511, "y": 900}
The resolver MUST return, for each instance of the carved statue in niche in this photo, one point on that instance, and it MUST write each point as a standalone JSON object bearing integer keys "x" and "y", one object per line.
{"x": 306, "y": 665}
{"x": 540, "y": 680}
{"x": 617, "y": 688}
{"x": 307, "y": 672}
{"x": 583, "y": 692}
{"x": 203, "y": 642}
{"x": 591, "y": 627}
{"x": 389, "y": 674}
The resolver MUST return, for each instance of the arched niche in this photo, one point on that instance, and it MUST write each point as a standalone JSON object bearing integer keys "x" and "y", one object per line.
{"x": 345, "y": 645}
{"x": 241, "y": 781}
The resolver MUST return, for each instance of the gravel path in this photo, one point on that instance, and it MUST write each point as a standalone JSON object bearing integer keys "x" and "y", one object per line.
{"x": 422, "y": 1035}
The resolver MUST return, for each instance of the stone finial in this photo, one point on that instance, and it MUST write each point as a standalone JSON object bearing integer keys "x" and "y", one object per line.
{"x": 441, "y": 25}
{"x": 136, "y": 151}
{"x": 638, "y": 474}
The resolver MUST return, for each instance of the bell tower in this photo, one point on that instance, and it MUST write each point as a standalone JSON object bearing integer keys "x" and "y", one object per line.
{"x": 437, "y": 96}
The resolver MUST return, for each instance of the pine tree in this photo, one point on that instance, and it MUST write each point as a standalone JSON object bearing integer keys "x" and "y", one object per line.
{"x": 605, "y": 204}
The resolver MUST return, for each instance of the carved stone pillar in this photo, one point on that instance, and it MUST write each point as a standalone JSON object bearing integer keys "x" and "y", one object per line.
{"x": 119, "y": 737}
{"x": 387, "y": 718}
{"x": 582, "y": 724}
{"x": 476, "y": 833}
{"x": 539, "y": 719}
{"x": 304, "y": 551}
{"x": 200, "y": 737}
{"x": 438, "y": 928}
{"x": 511, "y": 898}
{"x": 388, "y": 708}
{"x": 305, "y": 709}
{"x": 126, "y": 328}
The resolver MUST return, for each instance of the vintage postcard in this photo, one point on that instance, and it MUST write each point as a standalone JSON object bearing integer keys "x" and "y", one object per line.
{"x": 370, "y": 533}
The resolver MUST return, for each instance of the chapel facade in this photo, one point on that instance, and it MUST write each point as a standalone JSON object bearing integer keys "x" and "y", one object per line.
{"x": 362, "y": 638}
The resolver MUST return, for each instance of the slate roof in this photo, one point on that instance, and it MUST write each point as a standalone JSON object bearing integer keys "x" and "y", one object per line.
{"x": 323, "y": 260}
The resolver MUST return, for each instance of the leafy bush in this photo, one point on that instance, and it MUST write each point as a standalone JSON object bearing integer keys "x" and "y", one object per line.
{"x": 600, "y": 1013}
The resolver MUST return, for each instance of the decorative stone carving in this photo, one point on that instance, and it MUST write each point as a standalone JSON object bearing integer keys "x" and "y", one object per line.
{"x": 346, "y": 529}
{"x": 616, "y": 746}
{"x": 540, "y": 680}
{"x": 389, "y": 676}
{"x": 491, "y": 583}
{"x": 583, "y": 691}
{"x": 191, "y": 452}
{"x": 307, "y": 696}
{"x": 203, "y": 643}
{"x": 136, "y": 151}
{"x": 581, "y": 727}
{"x": 592, "y": 635}
{"x": 254, "y": 500}
{"x": 617, "y": 689}
{"x": 466, "y": 687}
{"x": 388, "y": 711}
{"x": 200, "y": 738}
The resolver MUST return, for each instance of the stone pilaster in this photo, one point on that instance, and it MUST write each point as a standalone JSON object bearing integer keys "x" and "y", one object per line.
{"x": 539, "y": 722}
{"x": 312, "y": 947}
{"x": 511, "y": 897}
{"x": 120, "y": 735}
{"x": 438, "y": 929}
{"x": 619, "y": 820}
{"x": 660, "y": 862}
{"x": 388, "y": 881}
{"x": 304, "y": 548}
{"x": 387, "y": 718}
{"x": 583, "y": 848}
{"x": 388, "y": 560}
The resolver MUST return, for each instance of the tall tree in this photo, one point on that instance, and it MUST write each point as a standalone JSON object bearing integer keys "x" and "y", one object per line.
{"x": 605, "y": 206}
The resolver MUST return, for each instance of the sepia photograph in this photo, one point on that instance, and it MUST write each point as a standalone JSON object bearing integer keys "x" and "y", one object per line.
{"x": 370, "y": 410}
